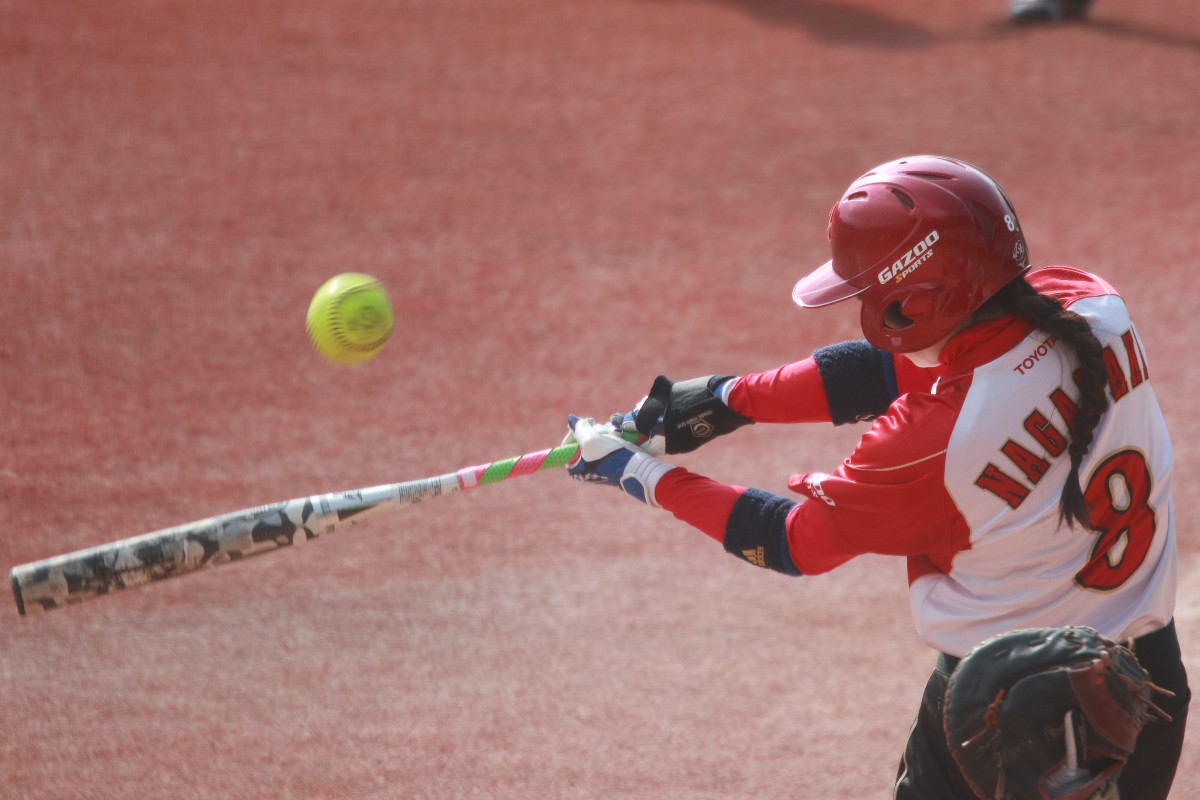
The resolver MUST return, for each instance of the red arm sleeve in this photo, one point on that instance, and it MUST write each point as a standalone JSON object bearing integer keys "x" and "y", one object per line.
{"x": 699, "y": 501}
{"x": 791, "y": 393}
{"x": 797, "y": 392}
{"x": 750, "y": 524}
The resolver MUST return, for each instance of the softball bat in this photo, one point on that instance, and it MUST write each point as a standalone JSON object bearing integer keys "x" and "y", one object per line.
{"x": 84, "y": 574}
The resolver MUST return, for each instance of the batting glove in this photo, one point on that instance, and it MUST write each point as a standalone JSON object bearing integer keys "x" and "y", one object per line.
{"x": 685, "y": 414}
{"x": 653, "y": 441}
{"x": 606, "y": 457}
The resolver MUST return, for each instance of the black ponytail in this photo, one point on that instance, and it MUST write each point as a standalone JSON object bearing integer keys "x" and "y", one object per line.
{"x": 1020, "y": 299}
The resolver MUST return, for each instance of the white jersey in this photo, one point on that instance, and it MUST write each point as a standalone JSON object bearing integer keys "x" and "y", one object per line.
{"x": 964, "y": 477}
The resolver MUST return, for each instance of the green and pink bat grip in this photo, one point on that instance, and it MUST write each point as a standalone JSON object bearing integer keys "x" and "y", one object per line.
{"x": 151, "y": 557}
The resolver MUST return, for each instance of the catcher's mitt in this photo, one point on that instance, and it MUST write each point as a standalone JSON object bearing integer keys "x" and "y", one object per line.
{"x": 1047, "y": 713}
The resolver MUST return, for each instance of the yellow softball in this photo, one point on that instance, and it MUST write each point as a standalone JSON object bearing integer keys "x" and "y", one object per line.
{"x": 350, "y": 318}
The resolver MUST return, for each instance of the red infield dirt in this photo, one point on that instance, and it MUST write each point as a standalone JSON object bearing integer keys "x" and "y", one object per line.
{"x": 564, "y": 199}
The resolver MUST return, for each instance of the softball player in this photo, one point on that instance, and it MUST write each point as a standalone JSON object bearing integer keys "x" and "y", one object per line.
{"x": 1016, "y": 456}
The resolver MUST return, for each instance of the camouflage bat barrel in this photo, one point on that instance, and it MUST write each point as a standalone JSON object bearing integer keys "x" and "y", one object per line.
{"x": 85, "y": 574}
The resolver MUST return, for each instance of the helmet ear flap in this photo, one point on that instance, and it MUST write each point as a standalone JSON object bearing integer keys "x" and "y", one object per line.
{"x": 893, "y": 318}
{"x": 921, "y": 301}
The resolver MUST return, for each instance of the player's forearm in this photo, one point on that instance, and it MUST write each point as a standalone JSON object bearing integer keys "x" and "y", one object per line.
{"x": 791, "y": 393}
{"x": 701, "y": 502}
{"x": 750, "y": 523}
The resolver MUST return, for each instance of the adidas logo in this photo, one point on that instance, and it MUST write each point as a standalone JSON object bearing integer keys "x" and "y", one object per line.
{"x": 757, "y": 556}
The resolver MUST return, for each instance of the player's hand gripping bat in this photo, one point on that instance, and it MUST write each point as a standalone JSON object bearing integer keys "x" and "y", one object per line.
{"x": 84, "y": 574}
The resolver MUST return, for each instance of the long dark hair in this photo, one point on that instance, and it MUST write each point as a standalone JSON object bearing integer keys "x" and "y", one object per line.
{"x": 1020, "y": 299}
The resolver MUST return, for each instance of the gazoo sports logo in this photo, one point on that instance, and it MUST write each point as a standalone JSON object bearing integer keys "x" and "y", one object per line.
{"x": 902, "y": 267}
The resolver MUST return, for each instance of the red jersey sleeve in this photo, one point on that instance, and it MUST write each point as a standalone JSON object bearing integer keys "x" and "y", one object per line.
{"x": 888, "y": 498}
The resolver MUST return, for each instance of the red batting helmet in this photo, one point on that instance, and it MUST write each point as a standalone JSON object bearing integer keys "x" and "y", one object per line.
{"x": 923, "y": 242}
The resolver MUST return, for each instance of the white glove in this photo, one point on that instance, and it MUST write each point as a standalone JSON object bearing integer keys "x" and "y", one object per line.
{"x": 606, "y": 457}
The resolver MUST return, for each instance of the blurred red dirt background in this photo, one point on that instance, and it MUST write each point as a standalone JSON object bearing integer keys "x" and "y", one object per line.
{"x": 564, "y": 200}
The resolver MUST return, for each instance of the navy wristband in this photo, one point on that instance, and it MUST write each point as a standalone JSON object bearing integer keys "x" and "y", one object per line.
{"x": 757, "y": 531}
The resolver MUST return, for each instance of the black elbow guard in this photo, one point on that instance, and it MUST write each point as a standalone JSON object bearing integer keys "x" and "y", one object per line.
{"x": 690, "y": 411}
{"x": 757, "y": 531}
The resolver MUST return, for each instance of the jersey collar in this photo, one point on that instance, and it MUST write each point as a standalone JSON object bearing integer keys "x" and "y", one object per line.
{"x": 980, "y": 343}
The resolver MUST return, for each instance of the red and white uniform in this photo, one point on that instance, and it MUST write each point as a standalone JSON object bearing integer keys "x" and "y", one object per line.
{"x": 963, "y": 476}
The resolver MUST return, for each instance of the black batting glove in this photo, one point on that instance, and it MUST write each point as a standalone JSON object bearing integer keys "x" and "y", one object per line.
{"x": 688, "y": 413}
